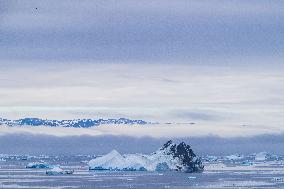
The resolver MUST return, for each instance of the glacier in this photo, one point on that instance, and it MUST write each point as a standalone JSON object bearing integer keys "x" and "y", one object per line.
{"x": 170, "y": 157}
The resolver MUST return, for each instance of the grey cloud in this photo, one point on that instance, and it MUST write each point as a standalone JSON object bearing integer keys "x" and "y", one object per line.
{"x": 196, "y": 115}
{"x": 139, "y": 31}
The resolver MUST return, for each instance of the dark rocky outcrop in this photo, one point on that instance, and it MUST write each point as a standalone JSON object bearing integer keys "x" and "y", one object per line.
{"x": 183, "y": 152}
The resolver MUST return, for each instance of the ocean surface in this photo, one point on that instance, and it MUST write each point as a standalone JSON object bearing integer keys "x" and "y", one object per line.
{"x": 219, "y": 173}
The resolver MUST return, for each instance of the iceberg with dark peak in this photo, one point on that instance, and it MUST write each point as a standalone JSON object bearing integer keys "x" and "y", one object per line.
{"x": 81, "y": 123}
{"x": 170, "y": 157}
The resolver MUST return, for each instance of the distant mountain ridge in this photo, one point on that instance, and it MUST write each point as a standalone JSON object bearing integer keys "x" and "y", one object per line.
{"x": 80, "y": 123}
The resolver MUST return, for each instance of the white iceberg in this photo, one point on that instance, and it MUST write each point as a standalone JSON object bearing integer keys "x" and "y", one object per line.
{"x": 170, "y": 157}
{"x": 210, "y": 158}
{"x": 115, "y": 161}
{"x": 262, "y": 156}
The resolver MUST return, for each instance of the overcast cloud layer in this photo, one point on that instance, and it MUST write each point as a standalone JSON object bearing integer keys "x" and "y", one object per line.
{"x": 135, "y": 31}
{"x": 220, "y": 100}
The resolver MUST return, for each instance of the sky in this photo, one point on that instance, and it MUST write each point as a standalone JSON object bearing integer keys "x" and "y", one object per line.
{"x": 216, "y": 63}
{"x": 140, "y": 31}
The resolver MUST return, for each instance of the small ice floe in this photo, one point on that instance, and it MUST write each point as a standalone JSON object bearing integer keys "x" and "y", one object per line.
{"x": 210, "y": 158}
{"x": 55, "y": 171}
{"x": 24, "y": 158}
{"x": 235, "y": 157}
{"x": 191, "y": 177}
{"x": 59, "y": 171}
{"x": 277, "y": 179}
{"x": 247, "y": 163}
{"x": 39, "y": 165}
{"x": 85, "y": 161}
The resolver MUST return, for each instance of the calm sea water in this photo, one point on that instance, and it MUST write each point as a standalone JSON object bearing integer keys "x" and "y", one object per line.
{"x": 13, "y": 174}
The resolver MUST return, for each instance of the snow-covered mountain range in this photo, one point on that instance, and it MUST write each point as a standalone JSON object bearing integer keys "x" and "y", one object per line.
{"x": 170, "y": 157}
{"x": 84, "y": 123}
